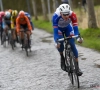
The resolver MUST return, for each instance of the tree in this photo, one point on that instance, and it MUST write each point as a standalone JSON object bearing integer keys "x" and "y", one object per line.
{"x": 71, "y": 3}
{"x": 44, "y": 11}
{"x": 91, "y": 14}
{"x": 54, "y": 5}
{"x": 34, "y": 9}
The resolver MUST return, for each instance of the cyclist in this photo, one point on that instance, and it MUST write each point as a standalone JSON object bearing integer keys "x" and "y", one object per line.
{"x": 29, "y": 17}
{"x": 6, "y": 22}
{"x": 2, "y": 13}
{"x": 13, "y": 23}
{"x": 23, "y": 23}
{"x": 65, "y": 20}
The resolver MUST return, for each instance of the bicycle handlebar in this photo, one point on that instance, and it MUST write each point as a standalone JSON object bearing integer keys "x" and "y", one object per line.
{"x": 22, "y": 30}
{"x": 62, "y": 39}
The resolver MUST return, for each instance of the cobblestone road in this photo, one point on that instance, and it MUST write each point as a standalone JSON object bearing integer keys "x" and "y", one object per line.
{"x": 41, "y": 70}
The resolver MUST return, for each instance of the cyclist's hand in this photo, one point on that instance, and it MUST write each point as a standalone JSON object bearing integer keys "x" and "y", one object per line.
{"x": 57, "y": 45}
{"x": 21, "y": 29}
{"x": 79, "y": 39}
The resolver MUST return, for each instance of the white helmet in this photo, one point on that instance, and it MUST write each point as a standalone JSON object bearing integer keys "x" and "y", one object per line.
{"x": 64, "y": 8}
{"x": 7, "y": 14}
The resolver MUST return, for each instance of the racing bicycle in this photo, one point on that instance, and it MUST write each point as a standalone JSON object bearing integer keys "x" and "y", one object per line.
{"x": 70, "y": 62}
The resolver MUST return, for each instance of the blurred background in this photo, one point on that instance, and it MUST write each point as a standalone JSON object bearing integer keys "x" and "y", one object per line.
{"x": 23, "y": 4}
{"x": 45, "y": 8}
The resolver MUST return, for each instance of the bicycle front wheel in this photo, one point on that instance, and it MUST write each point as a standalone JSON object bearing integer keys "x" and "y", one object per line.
{"x": 75, "y": 76}
{"x": 68, "y": 65}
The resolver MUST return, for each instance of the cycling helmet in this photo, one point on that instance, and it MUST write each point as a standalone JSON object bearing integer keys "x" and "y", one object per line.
{"x": 7, "y": 14}
{"x": 21, "y": 14}
{"x": 64, "y": 8}
{"x": 14, "y": 13}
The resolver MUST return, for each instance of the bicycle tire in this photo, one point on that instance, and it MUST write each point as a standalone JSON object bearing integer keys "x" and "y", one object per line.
{"x": 75, "y": 76}
{"x": 26, "y": 51}
{"x": 68, "y": 65}
{"x": 11, "y": 41}
{"x": 4, "y": 39}
{"x": 9, "y": 36}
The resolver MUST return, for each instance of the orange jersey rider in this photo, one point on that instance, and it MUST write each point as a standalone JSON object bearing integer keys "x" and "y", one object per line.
{"x": 22, "y": 21}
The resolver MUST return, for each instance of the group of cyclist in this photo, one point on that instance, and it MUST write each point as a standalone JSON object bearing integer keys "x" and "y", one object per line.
{"x": 16, "y": 22}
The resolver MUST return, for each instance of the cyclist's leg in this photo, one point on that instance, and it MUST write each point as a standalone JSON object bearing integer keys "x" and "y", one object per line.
{"x": 16, "y": 35}
{"x": 13, "y": 37}
{"x": 28, "y": 32}
{"x": 3, "y": 26}
{"x": 73, "y": 47}
{"x": 0, "y": 28}
{"x": 1, "y": 32}
{"x": 21, "y": 34}
{"x": 28, "y": 36}
{"x": 5, "y": 30}
{"x": 61, "y": 49}
{"x": 8, "y": 28}
{"x": 9, "y": 32}
{"x": 69, "y": 31}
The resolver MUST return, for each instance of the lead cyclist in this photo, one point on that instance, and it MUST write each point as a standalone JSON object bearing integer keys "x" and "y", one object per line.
{"x": 65, "y": 20}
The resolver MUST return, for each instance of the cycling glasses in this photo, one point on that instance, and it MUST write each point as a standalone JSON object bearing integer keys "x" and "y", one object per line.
{"x": 65, "y": 14}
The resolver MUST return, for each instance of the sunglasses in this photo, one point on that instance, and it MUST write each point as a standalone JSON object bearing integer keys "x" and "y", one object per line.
{"x": 65, "y": 14}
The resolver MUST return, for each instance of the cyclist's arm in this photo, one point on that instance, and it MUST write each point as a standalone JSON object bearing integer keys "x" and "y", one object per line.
{"x": 17, "y": 25}
{"x": 12, "y": 23}
{"x": 74, "y": 23}
{"x": 32, "y": 25}
{"x": 55, "y": 27}
{"x": 4, "y": 23}
{"x": 28, "y": 23}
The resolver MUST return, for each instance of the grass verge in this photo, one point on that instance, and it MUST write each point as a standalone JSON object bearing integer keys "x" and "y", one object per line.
{"x": 47, "y": 26}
